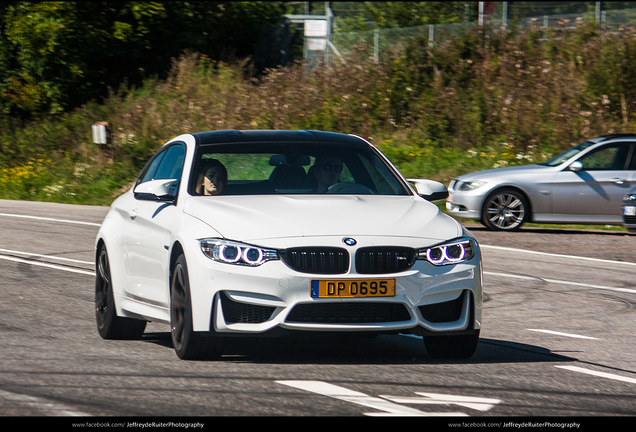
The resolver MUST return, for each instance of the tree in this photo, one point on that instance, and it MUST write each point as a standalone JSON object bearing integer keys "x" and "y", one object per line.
{"x": 57, "y": 55}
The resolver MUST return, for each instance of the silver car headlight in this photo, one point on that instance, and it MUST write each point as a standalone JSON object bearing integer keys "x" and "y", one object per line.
{"x": 230, "y": 252}
{"x": 469, "y": 185}
{"x": 454, "y": 252}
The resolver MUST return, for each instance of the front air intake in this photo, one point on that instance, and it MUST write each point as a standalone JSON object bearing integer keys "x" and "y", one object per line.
{"x": 384, "y": 259}
{"x": 348, "y": 313}
{"x": 244, "y": 313}
{"x": 448, "y": 311}
{"x": 317, "y": 260}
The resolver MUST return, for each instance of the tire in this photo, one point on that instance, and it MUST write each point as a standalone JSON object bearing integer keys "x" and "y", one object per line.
{"x": 452, "y": 347}
{"x": 188, "y": 344}
{"x": 109, "y": 325}
{"x": 505, "y": 210}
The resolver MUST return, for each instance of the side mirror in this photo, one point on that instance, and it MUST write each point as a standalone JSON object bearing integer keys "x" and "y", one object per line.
{"x": 430, "y": 190}
{"x": 157, "y": 190}
{"x": 576, "y": 166}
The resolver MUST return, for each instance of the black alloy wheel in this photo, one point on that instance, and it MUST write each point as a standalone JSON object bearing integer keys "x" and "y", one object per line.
{"x": 109, "y": 325}
{"x": 188, "y": 344}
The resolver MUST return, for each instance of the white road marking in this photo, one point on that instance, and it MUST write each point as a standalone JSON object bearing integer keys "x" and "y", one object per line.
{"x": 50, "y": 219}
{"x": 476, "y": 403}
{"x": 50, "y": 408}
{"x": 599, "y": 374}
{"x": 555, "y": 255}
{"x": 563, "y": 334}
{"x": 341, "y": 393}
{"x": 46, "y": 256}
{"x": 53, "y": 266}
{"x": 555, "y": 281}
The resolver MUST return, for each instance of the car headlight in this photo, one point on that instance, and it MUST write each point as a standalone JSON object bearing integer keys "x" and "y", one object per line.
{"x": 470, "y": 185}
{"x": 449, "y": 253}
{"x": 230, "y": 252}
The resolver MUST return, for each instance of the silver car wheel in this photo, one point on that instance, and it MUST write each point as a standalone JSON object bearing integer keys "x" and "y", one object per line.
{"x": 505, "y": 210}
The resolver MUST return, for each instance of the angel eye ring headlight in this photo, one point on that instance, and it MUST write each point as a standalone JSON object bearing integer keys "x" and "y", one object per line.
{"x": 448, "y": 253}
{"x": 236, "y": 253}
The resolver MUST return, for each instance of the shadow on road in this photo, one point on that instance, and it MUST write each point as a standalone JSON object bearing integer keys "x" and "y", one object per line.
{"x": 360, "y": 349}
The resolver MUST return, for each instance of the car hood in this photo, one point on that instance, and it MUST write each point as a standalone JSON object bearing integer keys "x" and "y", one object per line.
{"x": 506, "y": 172}
{"x": 253, "y": 218}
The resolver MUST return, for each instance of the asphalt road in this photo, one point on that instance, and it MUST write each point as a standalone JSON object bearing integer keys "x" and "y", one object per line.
{"x": 558, "y": 342}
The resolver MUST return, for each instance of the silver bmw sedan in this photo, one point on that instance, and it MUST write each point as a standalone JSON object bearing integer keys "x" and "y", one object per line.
{"x": 584, "y": 185}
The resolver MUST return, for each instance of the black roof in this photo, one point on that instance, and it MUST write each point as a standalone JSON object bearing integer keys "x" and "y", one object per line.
{"x": 245, "y": 136}
{"x": 614, "y": 136}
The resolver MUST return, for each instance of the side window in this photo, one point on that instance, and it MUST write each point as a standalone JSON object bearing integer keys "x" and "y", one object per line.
{"x": 611, "y": 157}
{"x": 168, "y": 164}
{"x": 385, "y": 183}
{"x": 149, "y": 171}
{"x": 171, "y": 166}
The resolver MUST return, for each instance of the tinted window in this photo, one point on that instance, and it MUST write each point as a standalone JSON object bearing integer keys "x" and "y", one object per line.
{"x": 298, "y": 168}
{"x": 167, "y": 164}
{"x": 610, "y": 157}
{"x": 151, "y": 168}
{"x": 171, "y": 166}
{"x": 558, "y": 160}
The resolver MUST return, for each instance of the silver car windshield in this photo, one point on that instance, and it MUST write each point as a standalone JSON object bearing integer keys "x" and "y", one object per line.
{"x": 294, "y": 168}
{"x": 568, "y": 154}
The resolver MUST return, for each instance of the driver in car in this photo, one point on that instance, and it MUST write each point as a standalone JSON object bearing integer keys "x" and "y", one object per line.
{"x": 327, "y": 171}
{"x": 213, "y": 179}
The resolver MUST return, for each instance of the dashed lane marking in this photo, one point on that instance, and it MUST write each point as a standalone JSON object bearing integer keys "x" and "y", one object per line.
{"x": 47, "y": 265}
{"x": 563, "y": 334}
{"x": 555, "y": 255}
{"x": 29, "y": 254}
{"x": 40, "y": 404}
{"x": 50, "y": 219}
{"x": 385, "y": 407}
{"x": 555, "y": 281}
{"x": 599, "y": 374}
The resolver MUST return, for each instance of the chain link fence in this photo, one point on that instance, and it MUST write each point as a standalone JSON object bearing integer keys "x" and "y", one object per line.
{"x": 375, "y": 42}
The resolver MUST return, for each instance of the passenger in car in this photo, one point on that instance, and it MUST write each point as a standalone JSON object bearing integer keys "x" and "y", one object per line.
{"x": 327, "y": 171}
{"x": 213, "y": 178}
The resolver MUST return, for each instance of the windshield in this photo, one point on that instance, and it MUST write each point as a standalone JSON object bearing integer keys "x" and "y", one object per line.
{"x": 558, "y": 160}
{"x": 292, "y": 168}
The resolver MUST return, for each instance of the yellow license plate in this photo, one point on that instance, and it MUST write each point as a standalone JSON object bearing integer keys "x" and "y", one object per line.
{"x": 348, "y": 288}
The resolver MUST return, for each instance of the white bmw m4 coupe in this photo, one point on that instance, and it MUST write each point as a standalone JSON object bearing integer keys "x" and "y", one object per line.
{"x": 230, "y": 233}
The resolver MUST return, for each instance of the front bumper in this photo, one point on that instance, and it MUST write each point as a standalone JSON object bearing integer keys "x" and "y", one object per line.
{"x": 234, "y": 299}
{"x": 465, "y": 205}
